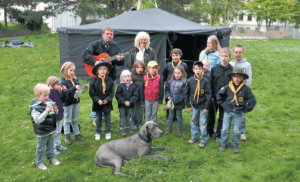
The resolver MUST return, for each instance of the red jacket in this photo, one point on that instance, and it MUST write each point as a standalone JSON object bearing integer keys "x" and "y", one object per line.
{"x": 154, "y": 90}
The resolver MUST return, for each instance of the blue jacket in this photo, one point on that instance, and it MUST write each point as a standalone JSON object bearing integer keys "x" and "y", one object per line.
{"x": 177, "y": 90}
{"x": 245, "y": 99}
{"x": 213, "y": 58}
{"x": 207, "y": 75}
{"x": 204, "y": 96}
{"x": 98, "y": 47}
{"x": 71, "y": 91}
{"x": 123, "y": 94}
{"x": 168, "y": 71}
{"x": 219, "y": 78}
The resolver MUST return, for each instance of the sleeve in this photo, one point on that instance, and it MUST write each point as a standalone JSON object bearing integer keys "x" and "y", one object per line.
{"x": 202, "y": 56}
{"x": 153, "y": 55}
{"x": 161, "y": 91}
{"x": 222, "y": 95}
{"x": 135, "y": 96}
{"x": 119, "y": 94}
{"x": 87, "y": 54}
{"x": 167, "y": 90}
{"x": 212, "y": 80}
{"x": 71, "y": 89}
{"x": 180, "y": 97}
{"x": 111, "y": 92}
{"x": 116, "y": 62}
{"x": 64, "y": 95}
{"x": 187, "y": 98}
{"x": 207, "y": 95}
{"x": 53, "y": 95}
{"x": 39, "y": 117}
{"x": 165, "y": 74}
{"x": 130, "y": 61}
{"x": 142, "y": 95}
{"x": 248, "y": 71}
{"x": 93, "y": 92}
{"x": 250, "y": 101}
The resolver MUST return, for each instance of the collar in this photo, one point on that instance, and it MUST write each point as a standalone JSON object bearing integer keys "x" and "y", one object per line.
{"x": 142, "y": 51}
{"x": 144, "y": 139}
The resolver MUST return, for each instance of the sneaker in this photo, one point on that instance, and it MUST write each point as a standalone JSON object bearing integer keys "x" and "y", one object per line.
{"x": 236, "y": 150}
{"x": 201, "y": 145}
{"x": 222, "y": 148}
{"x": 68, "y": 139}
{"x": 94, "y": 122}
{"x": 179, "y": 133}
{"x": 243, "y": 137}
{"x": 97, "y": 137}
{"x": 134, "y": 127}
{"x": 54, "y": 162}
{"x": 192, "y": 141}
{"x": 61, "y": 148}
{"x": 168, "y": 130}
{"x": 56, "y": 152}
{"x": 79, "y": 137}
{"x": 218, "y": 138}
{"x": 108, "y": 136}
{"x": 123, "y": 133}
{"x": 42, "y": 166}
{"x": 129, "y": 130}
{"x": 139, "y": 126}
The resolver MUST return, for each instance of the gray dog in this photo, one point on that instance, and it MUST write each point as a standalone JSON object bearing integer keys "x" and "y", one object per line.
{"x": 114, "y": 152}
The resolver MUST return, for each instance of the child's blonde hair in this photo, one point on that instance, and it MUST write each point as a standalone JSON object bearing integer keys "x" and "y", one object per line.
{"x": 64, "y": 68}
{"x": 215, "y": 42}
{"x": 40, "y": 89}
{"x": 52, "y": 80}
{"x": 225, "y": 50}
{"x": 124, "y": 73}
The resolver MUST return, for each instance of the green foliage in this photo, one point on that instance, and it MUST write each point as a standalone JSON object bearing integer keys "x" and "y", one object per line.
{"x": 45, "y": 26}
{"x": 11, "y": 26}
{"x": 241, "y": 30}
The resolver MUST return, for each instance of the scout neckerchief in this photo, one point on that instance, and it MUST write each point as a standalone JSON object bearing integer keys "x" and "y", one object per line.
{"x": 149, "y": 78}
{"x": 179, "y": 63}
{"x": 235, "y": 91}
{"x": 197, "y": 91}
{"x": 71, "y": 80}
{"x": 103, "y": 83}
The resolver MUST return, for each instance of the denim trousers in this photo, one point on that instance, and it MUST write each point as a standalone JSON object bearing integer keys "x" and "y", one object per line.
{"x": 137, "y": 113}
{"x": 125, "y": 112}
{"x": 199, "y": 122}
{"x": 107, "y": 121}
{"x": 42, "y": 142}
{"x": 178, "y": 113}
{"x": 237, "y": 121}
{"x": 151, "y": 110}
{"x": 57, "y": 141}
{"x": 71, "y": 113}
{"x": 243, "y": 124}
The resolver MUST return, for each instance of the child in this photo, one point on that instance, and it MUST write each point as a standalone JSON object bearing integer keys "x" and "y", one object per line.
{"x": 211, "y": 52}
{"x": 236, "y": 98}
{"x": 138, "y": 72}
{"x": 151, "y": 91}
{"x": 102, "y": 94}
{"x": 126, "y": 95}
{"x": 199, "y": 93}
{"x": 206, "y": 69}
{"x": 176, "y": 90}
{"x": 218, "y": 80}
{"x": 71, "y": 105}
{"x": 43, "y": 120}
{"x": 59, "y": 98}
{"x": 238, "y": 52}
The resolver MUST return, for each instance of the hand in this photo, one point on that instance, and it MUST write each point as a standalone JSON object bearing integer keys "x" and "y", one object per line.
{"x": 55, "y": 107}
{"x": 169, "y": 97}
{"x": 142, "y": 105}
{"x": 158, "y": 104}
{"x": 77, "y": 87}
{"x": 105, "y": 102}
{"x": 64, "y": 88}
{"x": 48, "y": 108}
{"x": 120, "y": 57}
{"x": 100, "y": 102}
{"x": 87, "y": 86}
{"x": 205, "y": 111}
{"x": 190, "y": 109}
{"x": 127, "y": 103}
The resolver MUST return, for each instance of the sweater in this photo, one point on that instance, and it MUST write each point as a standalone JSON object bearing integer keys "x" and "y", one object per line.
{"x": 246, "y": 67}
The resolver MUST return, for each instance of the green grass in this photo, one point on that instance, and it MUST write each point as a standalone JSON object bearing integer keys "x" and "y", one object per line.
{"x": 11, "y": 26}
{"x": 271, "y": 152}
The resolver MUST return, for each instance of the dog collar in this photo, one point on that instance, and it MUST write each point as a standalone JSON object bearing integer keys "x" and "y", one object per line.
{"x": 145, "y": 139}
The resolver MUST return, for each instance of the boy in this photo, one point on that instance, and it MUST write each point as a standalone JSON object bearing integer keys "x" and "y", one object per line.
{"x": 238, "y": 52}
{"x": 206, "y": 71}
{"x": 199, "y": 93}
{"x": 236, "y": 98}
{"x": 218, "y": 80}
{"x": 44, "y": 124}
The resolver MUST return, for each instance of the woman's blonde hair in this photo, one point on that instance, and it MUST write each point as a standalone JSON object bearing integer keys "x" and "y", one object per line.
{"x": 215, "y": 42}
{"x": 64, "y": 68}
{"x": 40, "y": 89}
{"x": 139, "y": 36}
{"x": 52, "y": 80}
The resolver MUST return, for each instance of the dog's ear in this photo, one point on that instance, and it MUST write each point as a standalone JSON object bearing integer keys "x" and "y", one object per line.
{"x": 145, "y": 129}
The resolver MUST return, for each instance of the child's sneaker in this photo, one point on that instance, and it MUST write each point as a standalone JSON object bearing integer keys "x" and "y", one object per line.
{"x": 42, "y": 166}
{"x": 243, "y": 137}
{"x": 61, "y": 148}
{"x": 108, "y": 136}
{"x": 168, "y": 130}
{"x": 236, "y": 150}
{"x": 134, "y": 127}
{"x": 79, "y": 137}
{"x": 222, "y": 148}
{"x": 123, "y": 133}
{"x": 179, "y": 133}
{"x": 54, "y": 162}
{"x": 201, "y": 145}
{"x": 129, "y": 130}
{"x": 192, "y": 141}
{"x": 68, "y": 139}
{"x": 97, "y": 137}
{"x": 56, "y": 152}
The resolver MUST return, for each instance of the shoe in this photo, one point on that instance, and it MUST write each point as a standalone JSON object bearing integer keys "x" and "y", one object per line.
{"x": 108, "y": 136}
{"x": 179, "y": 133}
{"x": 201, "y": 145}
{"x": 123, "y": 133}
{"x": 222, "y": 148}
{"x": 243, "y": 137}
{"x": 61, "y": 148}
{"x": 139, "y": 126}
{"x": 134, "y": 127}
{"x": 97, "y": 137}
{"x": 168, "y": 130}
{"x": 79, "y": 137}
{"x": 218, "y": 138}
{"x": 42, "y": 166}
{"x": 68, "y": 139}
{"x": 94, "y": 122}
{"x": 56, "y": 152}
{"x": 236, "y": 150}
{"x": 129, "y": 130}
{"x": 192, "y": 141}
{"x": 54, "y": 162}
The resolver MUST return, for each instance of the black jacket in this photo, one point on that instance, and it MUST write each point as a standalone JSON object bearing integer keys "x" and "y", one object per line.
{"x": 123, "y": 94}
{"x": 71, "y": 91}
{"x": 218, "y": 78}
{"x": 149, "y": 55}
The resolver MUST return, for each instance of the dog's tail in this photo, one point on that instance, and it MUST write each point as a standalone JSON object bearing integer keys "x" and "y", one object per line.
{"x": 98, "y": 163}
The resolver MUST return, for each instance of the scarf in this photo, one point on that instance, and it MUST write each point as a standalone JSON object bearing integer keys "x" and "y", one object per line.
{"x": 235, "y": 91}
{"x": 197, "y": 91}
{"x": 71, "y": 80}
{"x": 149, "y": 78}
{"x": 103, "y": 83}
{"x": 179, "y": 63}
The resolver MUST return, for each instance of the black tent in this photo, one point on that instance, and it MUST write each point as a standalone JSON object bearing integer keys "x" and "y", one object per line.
{"x": 166, "y": 31}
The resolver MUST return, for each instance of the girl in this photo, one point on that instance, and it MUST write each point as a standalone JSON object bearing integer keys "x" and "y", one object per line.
{"x": 151, "y": 91}
{"x": 71, "y": 105}
{"x": 126, "y": 95}
{"x": 59, "y": 98}
{"x": 138, "y": 72}
{"x": 211, "y": 52}
{"x": 176, "y": 90}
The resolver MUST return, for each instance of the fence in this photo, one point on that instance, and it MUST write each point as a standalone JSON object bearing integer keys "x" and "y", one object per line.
{"x": 15, "y": 33}
{"x": 270, "y": 33}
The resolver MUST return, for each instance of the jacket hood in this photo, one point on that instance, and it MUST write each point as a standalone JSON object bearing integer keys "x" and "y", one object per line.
{"x": 36, "y": 101}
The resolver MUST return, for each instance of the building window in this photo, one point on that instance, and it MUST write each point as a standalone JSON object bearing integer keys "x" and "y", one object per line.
{"x": 241, "y": 17}
{"x": 249, "y": 18}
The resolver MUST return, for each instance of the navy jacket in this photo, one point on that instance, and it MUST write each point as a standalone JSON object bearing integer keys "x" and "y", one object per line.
{"x": 204, "y": 96}
{"x": 123, "y": 94}
{"x": 98, "y": 47}
{"x": 177, "y": 90}
{"x": 207, "y": 75}
{"x": 71, "y": 91}
{"x": 168, "y": 71}
{"x": 219, "y": 77}
{"x": 245, "y": 99}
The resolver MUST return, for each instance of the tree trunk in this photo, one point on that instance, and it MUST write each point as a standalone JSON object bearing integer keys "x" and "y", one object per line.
{"x": 5, "y": 16}
{"x": 83, "y": 20}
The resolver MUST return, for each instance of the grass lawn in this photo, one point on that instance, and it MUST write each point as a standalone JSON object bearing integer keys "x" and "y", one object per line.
{"x": 11, "y": 26}
{"x": 271, "y": 152}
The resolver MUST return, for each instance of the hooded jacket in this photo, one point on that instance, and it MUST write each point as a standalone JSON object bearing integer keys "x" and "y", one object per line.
{"x": 213, "y": 58}
{"x": 177, "y": 90}
{"x": 246, "y": 67}
{"x": 219, "y": 78}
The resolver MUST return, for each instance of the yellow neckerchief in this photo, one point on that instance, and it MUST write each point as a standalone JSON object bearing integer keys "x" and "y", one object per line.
{"x": 179, "y": 63}
{"x": 197, "y": 91}
{"x": 148, "y": 77}
{"x": 235, "y": 91}
{"x": 103, "y": 83}
{"x": 71, "y": 80}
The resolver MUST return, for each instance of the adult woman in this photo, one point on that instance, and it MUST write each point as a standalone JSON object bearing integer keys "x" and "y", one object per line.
{"x": 211, "y": 52}
{"x": 145, "y": 53}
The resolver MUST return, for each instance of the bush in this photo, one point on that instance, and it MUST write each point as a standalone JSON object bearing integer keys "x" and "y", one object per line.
{"x": 45, "y": 26}
{"x": 296, "y": 26}
{"x": 241, "y": 30}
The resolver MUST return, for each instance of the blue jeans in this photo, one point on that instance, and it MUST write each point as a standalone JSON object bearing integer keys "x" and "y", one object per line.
{"x": 57, "y": 141}
{"x": 243, "y": 124}
{"x": 71, "y": 116}
{"x": 178, "y": 117}
{"x": 199, "y": 121}
{"x": 151, "y": 110}
{"x": 107, "y": 121}
{"x": 237, "y": 120}
{"x": 43, "y": 142}
{"x": 137, "y": 113}
{"x": 125, "y": 112}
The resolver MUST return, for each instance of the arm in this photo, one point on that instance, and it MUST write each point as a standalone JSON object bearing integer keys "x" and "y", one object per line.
{"x": 161, "y": 91}
{"x": 53, "y": 95}
{"x": 187, "y": 96}
{"x": 93, "y": 92}
{"x": 130, "y": 61}
{"x": 135, "y": 96}
{"x": 119, "y": 95}
{"x": 207, "y": 95}
{"x": 64, "y": 95}
{"x": 110, "y": 95}
{"x": 250, "y": 100}
{"x": 39, "y": 117}
{"x": 167, "y": 90}
{"x": 153, "y": 54}
{"x": 87, "y": 54}
{"x": 180, "y": 97}
{"x": 248, "y": 71}
{"x": 222, "y": 95}
{"x": 142, "y": 95}
{"x": 165, "y": 74}
{"x": 202, "y": 55}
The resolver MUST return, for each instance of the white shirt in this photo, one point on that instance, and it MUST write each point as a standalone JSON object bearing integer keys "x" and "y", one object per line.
{"x": 140, "y": 55}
